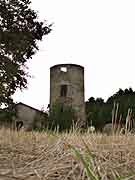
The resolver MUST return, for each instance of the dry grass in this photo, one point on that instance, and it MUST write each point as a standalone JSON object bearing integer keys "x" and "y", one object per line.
{"x": 44, "y": 156}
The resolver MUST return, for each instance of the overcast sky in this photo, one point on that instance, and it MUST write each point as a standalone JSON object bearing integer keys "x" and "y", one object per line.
{"x": 97, "y": 34}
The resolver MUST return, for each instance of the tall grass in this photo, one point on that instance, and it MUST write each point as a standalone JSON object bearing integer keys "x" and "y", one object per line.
{"x": 117, "y": 125}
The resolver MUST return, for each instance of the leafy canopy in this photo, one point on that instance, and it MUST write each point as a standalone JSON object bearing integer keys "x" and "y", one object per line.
{"x": 19, "y": 32}
{"x": 99, "y": 113}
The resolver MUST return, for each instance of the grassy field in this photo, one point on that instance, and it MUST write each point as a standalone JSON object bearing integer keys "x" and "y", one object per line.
{"x": 73, "y": 156}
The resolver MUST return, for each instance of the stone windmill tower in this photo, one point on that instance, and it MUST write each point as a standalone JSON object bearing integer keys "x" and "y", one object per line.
{"x": 67, "y": 88}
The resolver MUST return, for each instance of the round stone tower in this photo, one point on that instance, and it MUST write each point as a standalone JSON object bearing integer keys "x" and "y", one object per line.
{"x": 67, "y": 88}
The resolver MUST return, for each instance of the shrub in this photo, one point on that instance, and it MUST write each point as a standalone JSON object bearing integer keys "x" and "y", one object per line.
{"x": 61, "y": 117}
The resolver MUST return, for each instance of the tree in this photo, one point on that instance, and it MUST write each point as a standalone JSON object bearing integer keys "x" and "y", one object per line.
{"x": 99, "y": 112}
{"x": 95, "y": 113}
{"x": 91, "y": 100}
{"x": 20, "y": 31}
{"x": 120, "y": 92}
{"x": 99, "y": 101}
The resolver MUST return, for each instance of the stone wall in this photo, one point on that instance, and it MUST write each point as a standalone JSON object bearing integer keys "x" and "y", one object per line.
{"x": 31, "y": 117}
{"x": 25, "y": 114}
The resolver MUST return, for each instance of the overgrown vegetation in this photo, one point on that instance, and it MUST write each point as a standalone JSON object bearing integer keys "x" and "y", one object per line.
{"x": 115, "y": 110}
{"x": 99, "y": 112}
{"x": 7, "y": 114}
{"x": 61, "y": 117}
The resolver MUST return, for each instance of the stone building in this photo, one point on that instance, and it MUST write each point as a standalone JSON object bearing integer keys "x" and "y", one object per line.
{"x": 67, "y": 87}
{"x": 28, "y": 117}
{"x": 25, "y": 117}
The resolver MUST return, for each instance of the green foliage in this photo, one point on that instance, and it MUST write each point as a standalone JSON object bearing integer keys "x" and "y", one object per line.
{"x": 99, "y": 113}
{"x": 95, "y": 113}
{"x": 61, "y": 117}
{"x": 19, "y": 32}
{"x": 126, "y": 100}
{"x": 7, "y": 114}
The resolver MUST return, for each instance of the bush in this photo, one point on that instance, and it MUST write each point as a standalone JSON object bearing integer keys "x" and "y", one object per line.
{"x": 61, "y": 117}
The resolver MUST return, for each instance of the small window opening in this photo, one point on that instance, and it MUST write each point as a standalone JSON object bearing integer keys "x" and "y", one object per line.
{"x": 63, "y": 69}
{"x": 63, "y": 91}
{"x": 19, "y": 125}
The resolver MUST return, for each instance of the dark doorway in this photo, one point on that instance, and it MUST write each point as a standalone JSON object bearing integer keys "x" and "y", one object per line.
{"x": 19, "y": 125}
{"x": 63, "y": 91}
{"x": 61, "y": 110}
